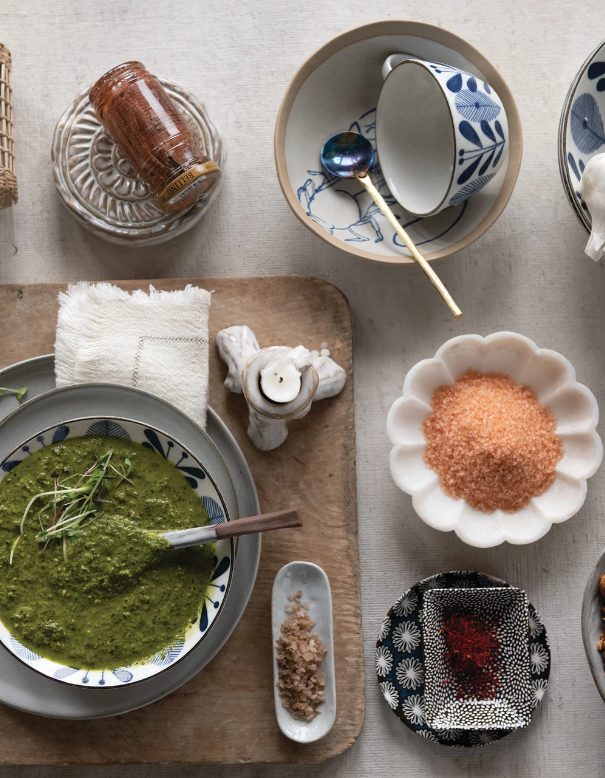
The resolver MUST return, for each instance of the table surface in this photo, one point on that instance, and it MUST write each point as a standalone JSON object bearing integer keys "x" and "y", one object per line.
{"x": 527, "y": 274}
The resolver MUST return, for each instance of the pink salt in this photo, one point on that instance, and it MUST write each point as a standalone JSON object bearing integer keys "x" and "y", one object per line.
{"x": 491, "y": 441}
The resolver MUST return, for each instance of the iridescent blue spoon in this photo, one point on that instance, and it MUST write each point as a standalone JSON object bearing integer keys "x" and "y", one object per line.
{"x": 351, "y": 155}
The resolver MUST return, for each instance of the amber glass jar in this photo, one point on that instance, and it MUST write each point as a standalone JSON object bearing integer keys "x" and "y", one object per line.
{"x": 142, "y": 119}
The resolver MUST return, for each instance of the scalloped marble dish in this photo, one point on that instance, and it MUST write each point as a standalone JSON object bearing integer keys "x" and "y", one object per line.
{"x": 200, "y": 480}
{"x": 553, "y": 378}
{"x": 99, "y": 187}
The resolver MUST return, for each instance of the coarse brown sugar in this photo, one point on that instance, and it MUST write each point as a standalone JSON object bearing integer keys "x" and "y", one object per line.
{"x": 299, "y": 653}
{"x": 491, "y": 441}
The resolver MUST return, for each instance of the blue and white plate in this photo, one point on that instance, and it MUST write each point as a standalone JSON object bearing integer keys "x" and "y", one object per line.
{"x": 199, "y": 479}
{"x": 400, "y": 659}
{"x": 582, "y": 128}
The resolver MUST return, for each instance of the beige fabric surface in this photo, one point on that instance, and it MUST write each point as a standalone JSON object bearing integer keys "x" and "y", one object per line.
{"x": 529, "y": 274}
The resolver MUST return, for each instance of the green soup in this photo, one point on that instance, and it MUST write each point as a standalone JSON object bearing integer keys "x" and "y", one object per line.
{"x": 121, "y": 595}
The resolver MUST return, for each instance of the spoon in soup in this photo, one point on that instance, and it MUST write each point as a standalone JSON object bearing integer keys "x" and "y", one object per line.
{"x": 351, "y": 155}
{"x": 184, "y": 538}
{"x": 131, "y": 549}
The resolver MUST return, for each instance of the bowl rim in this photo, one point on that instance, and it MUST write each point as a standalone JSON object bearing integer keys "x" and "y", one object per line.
{"x": 64, "y": 681}
{"x": 562, "y": 139}
{"x": 418, "y": 30}
{"x": 598, "y": 674}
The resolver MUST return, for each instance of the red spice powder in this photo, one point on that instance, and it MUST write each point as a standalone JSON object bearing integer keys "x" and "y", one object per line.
{"x": 491, "y": 441}
{"x": 472, "y": 652}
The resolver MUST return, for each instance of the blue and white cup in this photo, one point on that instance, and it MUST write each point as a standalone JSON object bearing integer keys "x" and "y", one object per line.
{"x": 441, "y": 133}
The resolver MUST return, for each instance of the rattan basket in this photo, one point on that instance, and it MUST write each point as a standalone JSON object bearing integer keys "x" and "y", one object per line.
{"x": 8, "y": 180}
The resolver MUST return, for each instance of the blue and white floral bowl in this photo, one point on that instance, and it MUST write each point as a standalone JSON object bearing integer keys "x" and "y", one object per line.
{"x": 582, "y": 128}
{"x": 200, "y": 480}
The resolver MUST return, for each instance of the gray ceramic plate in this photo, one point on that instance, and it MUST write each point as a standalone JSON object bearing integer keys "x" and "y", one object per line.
{"x": 592, "y": 624}
{"x": 21, "y": 687}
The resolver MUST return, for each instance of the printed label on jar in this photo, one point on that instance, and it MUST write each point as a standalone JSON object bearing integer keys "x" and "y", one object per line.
{"x": 193, "y": 178}
{"x": 184, "y": 192}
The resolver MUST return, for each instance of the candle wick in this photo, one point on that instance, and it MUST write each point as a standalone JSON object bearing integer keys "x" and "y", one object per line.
{"x": 281, "y": 378}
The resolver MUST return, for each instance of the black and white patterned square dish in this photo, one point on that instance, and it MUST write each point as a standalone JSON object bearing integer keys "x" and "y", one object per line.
{"x": 400, "y": 660}
{"x": 498, "y": 696}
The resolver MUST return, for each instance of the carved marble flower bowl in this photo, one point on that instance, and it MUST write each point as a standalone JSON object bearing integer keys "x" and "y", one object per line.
{"x": 553, "y": 379}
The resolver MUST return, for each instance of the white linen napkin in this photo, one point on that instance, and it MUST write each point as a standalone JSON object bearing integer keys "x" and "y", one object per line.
{"x": 157, "y": 342}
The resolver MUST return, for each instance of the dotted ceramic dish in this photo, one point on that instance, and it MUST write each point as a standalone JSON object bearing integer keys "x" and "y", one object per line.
{"x": 400, "y": 660}
{"x": 509, "y": 707}
{"x": 553, "y": 379}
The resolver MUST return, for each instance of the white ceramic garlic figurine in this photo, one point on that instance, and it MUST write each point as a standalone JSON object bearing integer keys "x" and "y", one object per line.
{"x": 279, "y": 383}
{"x": 592, "y": 189}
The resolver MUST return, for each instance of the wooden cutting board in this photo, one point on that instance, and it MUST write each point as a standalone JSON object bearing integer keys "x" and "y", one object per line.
{"x": 226, "y": 713}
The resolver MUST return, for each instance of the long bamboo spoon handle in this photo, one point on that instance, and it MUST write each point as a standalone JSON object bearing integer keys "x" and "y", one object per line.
{"x": 184, "y": 538}
{"x": 437, "y": 282}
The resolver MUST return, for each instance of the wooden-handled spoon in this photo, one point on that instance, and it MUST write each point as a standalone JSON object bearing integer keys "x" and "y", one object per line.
{"x": 351, "y": 155}
{"x": 183, "y": 538}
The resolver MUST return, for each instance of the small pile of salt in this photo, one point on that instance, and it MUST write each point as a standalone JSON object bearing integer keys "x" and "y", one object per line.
{"x": 299, "y": 652}
{"x": 491, "y": 441}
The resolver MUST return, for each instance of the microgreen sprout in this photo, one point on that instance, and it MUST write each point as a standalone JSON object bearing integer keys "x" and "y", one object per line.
{"x": 69, "y": 507}
{"x": 19, "y": 393}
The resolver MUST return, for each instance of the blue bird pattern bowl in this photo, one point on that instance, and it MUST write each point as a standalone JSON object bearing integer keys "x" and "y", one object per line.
{"x": 200, "y": 480}
{"x": 337, "y": 89}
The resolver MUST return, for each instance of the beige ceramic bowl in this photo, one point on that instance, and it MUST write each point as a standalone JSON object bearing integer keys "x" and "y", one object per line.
{"x": 337, "y": 89}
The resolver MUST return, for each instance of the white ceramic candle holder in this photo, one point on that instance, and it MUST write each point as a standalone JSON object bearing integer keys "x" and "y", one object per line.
{"x": 268, "y": 426}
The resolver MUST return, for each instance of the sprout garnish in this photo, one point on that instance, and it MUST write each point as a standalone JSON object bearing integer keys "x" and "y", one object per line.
{"x": 71, "y": 508}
